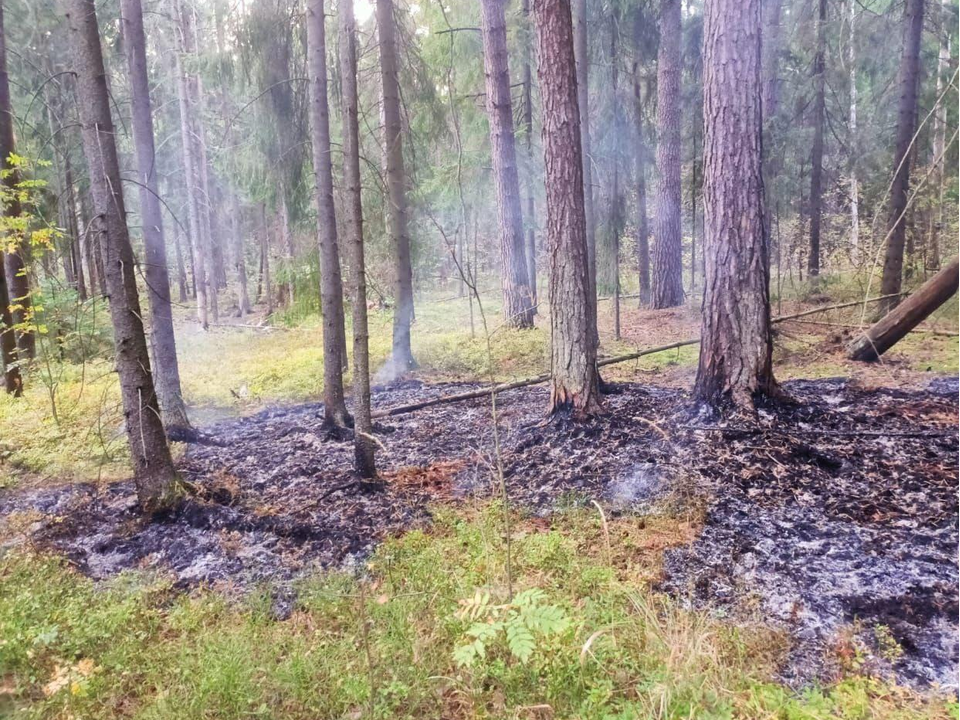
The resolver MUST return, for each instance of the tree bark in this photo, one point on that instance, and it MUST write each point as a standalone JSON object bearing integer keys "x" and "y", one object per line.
{"x": 191, "y": 160}
{"x": 643, "y": 232}
{"x": 154, "y": 474}
{"x": 890, "y": 329}
{"x": 527, "y": 120}
{"x": 402, "y": 355}
{"x": 816, "y": 161}
{"x": 12, "y": 381}
{"x": 736, "y": 346}
{"x": 668, "y": 249}
{"x": 517, "y": 297}
{"x": 892, "y": 280}
{"x": 17, "y": 258}
{"x": 331, "y": 287}
{"x": 239, "y": 261}
{"x": 167, "y": 375}
{"x": 940, "y": 136}
{"x": 853, "y": 140}
{"x": 364, "y": 447}
{"x": 574, "y": 380}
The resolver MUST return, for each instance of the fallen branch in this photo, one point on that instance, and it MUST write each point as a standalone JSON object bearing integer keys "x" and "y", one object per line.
{"x": 927, "y": 331}
{"x": 503, "y": 387}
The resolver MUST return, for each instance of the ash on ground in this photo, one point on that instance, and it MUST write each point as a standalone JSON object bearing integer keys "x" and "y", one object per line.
{"x": 834, "y": 517}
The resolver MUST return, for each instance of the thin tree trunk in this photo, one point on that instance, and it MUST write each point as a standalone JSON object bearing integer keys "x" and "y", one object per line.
{"x": 265, "y": 262}
{"x": 17, "y": 258}
{"x": 331, "y": 287}
{"x": 853, "y": 141}
{"x": 616, "y": 202}
{"x": 667, "y": 248}
{"x": 191, "y": 161}
{"x": 239, "y": 261}
{"x": 155, "y": 477}
{"x": 892, "y": 280}
{"x": 574, "y": 380}
{"x": 581, "y": 51}
{"x": 816, "y": 163}
{"x": 12, "y": 381}
{"x": 940, "y": 137}
{"x": 363, "y": 443}
{"x": 736, "y": 346}
{"x": 167, "y": 372}
{"x": 643, "y": 233}
{"x": 402, "y": 355}
{"x": 514, "y": 280}
{"x": 772, "y": 141}
{"x": 527, "y": 121}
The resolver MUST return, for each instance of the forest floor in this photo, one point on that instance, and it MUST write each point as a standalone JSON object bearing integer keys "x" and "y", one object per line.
{"x": 826, "y": 533}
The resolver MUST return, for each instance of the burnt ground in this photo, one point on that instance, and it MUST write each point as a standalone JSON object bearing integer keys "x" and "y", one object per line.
{"x": 834, "y": 517}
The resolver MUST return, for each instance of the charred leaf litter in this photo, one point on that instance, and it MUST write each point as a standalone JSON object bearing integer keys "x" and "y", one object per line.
{"x": 833, "y": 517}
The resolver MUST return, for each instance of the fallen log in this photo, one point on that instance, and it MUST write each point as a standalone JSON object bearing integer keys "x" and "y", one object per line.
{"x": 503, "y": 387}
{"x": 893, "y": 326}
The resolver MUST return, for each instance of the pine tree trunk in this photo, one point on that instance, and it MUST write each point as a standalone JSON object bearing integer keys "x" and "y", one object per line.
{"x": 364, "y": 445}
{"x": 167, "y": 373}
{"x": 816, "y": 163}
{"x": 239, "y": 261}
{"x": 853, "y": 141}
{"x": 155, "y": 477}
{"x": 574, "y": 381}
{"x": 940, "y": 137}
{"x": 770, "y": 78}
{"x": 527, "y": 120}
{"x": 402, "y": 355}
{"x": 517, "y": 297}
{"x": 668, "y": 248}
{"x": 17, "y": 258}
{"x": 643, "y": 232}
{"x": 892, "y": 281}
{"x": 736, "y": 344}
{"x": 331, "y": 287}
{"x": 191, "y": 161}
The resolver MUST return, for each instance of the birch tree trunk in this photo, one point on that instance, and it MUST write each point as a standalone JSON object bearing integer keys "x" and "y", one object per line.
{"x": 736, "y": 344}
{"x": 154, "y": 474}
{"x": 167, "y": 373}
{"x": 364, "y": 446}
{"x": 517, "y": 296}
{"x": 574, "y": 381}
{"x": 331, "y": 287}
{"x": 667, "y": 248}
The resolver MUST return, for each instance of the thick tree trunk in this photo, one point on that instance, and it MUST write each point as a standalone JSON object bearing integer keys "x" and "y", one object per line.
{"x": 517, "y": 297}
{"x": 18, "y": 257}
{"x": 364, "y": 444}
{"x": 736, "y": 346}
{"x": 816, "y": 162}
{"x": 402, "y": 355}
{"x": 581, "y": 52}
{"x": 167, "y": 374}
{"x": 527, "y": 120}
{"x": 574, "y": 380}
{"x": 667, "y": 248}
{"x": 892, "y": 328}
{"x": 154, "y": 473}
{"x": 892, "y": 280}
{"x": 12, "y": 381}
{"x": 331, "y": 287}
{"x": 191, "y": 160}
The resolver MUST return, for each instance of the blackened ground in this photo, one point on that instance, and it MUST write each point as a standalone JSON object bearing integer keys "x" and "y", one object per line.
{"x": 834, "y": 516}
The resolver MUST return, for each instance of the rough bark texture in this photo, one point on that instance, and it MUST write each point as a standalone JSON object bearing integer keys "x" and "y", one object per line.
{"x": 517, "y": 297}
{"x": 167, "y": 370}
{"x": 667, "y": 248}
{"x": 331, "y": 287}
{"x": 190, "y": 160}
{"x": 643, "y": 231}
{"x": 852, "y": 141}
{"x": 18, "y": 284}
{"x": 402, "y": 357}
{"x": 154, "y": 474}
{"x": 364, "y": 445}
{"x": 527, "y": 121}
{"x": 939, "y": 136}
{"x": 574, "y": 381}
{"x": 816, "y": 156}
{"x": 736, "y": 345}
{"x": 892, "y": 328}
{"x": 906, "y": 124}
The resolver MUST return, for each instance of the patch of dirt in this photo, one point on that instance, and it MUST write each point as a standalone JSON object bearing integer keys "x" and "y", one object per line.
{"x": 837, "y": 511}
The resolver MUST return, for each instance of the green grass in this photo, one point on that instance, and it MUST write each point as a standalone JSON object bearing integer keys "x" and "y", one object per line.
{"x": 383, "y": 646}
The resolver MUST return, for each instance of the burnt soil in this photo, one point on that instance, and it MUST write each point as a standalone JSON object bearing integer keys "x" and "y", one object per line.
{"x": 834, "y": 516}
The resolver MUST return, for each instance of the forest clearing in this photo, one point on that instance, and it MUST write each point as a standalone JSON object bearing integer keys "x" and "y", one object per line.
{"x": 536, "y": 359}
